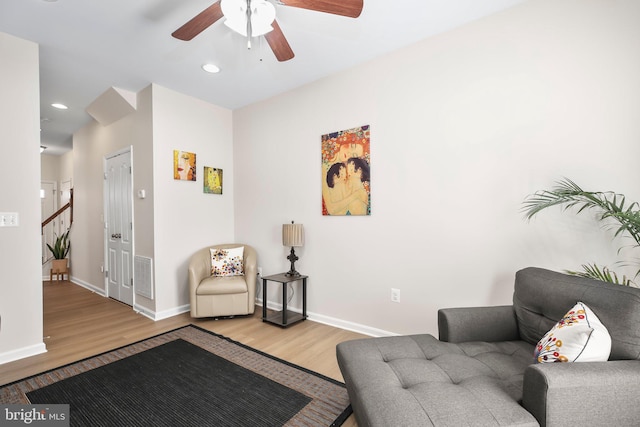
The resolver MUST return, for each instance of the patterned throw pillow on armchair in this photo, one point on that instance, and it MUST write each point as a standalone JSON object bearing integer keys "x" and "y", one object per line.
{"x": 227, "y": 261}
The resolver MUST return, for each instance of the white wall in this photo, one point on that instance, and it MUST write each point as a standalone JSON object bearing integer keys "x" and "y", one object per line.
{"x": 56, "y": 168}
{"x": 49, "y": 167}
{"x": 143, "y": 215}
{"x": 91, "y": 145}
{"x": 187, "y": 219}
{"x": 175, "y": 218}
{"x": 463, "y": 127}
{"x": 21, "y": 284}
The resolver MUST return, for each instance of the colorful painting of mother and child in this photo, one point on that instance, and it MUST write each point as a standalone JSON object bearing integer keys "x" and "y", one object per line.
{"x": 346, "y": 172}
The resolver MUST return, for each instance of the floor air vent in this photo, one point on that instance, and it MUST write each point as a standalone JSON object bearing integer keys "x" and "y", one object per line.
{"x": 143, "y": 276}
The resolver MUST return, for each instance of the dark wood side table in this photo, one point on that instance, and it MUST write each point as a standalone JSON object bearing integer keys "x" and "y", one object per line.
{"x": 285, "y": 317}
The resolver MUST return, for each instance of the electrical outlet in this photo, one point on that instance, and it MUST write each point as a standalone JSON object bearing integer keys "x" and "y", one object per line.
{"x": 395, "y": 295}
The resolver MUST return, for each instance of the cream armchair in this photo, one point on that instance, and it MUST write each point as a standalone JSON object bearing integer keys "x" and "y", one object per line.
{"x": 222, "y": 296}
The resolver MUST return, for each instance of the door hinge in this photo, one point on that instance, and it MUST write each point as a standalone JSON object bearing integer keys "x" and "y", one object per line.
{"x": 132, "y": 282}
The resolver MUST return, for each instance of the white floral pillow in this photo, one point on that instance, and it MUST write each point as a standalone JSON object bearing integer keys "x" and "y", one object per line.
{"x": 578, "y": 337}
{"x": 227, "y": 262}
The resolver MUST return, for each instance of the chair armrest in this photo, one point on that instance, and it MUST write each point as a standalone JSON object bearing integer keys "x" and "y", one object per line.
{"x": 199, "y": 269}
{"x": 586, "y": 393}
{"x": 251, "y": 271}
{"x": 490, "y": 324}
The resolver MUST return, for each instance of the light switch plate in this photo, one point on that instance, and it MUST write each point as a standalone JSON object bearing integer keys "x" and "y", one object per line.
{"x": 8, "y": 219}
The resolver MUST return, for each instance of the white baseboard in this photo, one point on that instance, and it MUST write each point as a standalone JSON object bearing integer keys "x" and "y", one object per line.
{"x": 165, "y": 314}
{"x": 144, "y": 311}
{"x": 21, "y": 353}
{"x": 316, "y": 317}
{"x": 349, "y": 326}
{"x": 136, "y": 307}
{"x": 82, "y": 283}
{"x": 89, "y": 286}
{"x": 332, "y": 321}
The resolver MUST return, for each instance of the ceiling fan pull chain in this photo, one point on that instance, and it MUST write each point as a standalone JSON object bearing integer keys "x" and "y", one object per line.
{"x": 249, "y": 24}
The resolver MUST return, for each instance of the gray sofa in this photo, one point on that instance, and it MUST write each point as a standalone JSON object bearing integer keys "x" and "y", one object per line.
{"x": 481, "y": 372}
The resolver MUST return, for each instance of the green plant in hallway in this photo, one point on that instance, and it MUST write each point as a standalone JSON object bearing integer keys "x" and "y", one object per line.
{"x": 61, "y": 247}
{"x": 612, "y": 209}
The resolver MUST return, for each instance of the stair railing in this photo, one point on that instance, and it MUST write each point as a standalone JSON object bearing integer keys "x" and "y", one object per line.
{"x": 56, "y": 215}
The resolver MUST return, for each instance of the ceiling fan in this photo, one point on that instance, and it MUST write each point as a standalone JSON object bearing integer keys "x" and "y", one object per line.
{"x": 253, "y": 18}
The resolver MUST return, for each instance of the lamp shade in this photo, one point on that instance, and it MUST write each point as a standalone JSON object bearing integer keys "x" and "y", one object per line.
{"x": 292, "y": 235}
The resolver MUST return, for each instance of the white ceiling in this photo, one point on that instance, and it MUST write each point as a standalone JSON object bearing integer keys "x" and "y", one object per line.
{"x": 88, "y": 46}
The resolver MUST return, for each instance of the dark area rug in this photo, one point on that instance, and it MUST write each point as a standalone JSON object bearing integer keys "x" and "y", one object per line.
{"x": 187, "y": 377}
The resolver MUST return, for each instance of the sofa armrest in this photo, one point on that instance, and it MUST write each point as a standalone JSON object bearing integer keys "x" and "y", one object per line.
{"x": 490, "y": 324}
{"x": 587, "y": 393}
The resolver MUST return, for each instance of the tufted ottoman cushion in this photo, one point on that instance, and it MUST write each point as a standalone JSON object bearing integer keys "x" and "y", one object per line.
{"x": 417, "y": 380}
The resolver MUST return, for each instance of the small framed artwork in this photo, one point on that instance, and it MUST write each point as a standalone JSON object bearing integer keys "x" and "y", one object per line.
{"x": 184, "y": 165}
{"x": 346, "y": 172}
{"x": 212, "y": 180}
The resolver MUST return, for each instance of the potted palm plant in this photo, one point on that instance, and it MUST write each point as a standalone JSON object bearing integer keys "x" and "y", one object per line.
{"x": 612, "y": 209}
{"x": 60, "y": 250}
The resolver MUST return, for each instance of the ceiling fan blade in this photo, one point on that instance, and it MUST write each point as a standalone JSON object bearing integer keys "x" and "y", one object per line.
{"x": 350, "y": 8}
{"x": 199, "y": 23}
{"x": 278, "y": 43}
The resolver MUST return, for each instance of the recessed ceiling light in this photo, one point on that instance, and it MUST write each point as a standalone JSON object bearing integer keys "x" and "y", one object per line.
{"x": 59, "y": 106}
{"x": 210, "y": 68}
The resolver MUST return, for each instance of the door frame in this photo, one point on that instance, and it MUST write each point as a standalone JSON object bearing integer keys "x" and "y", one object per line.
{"x": 54, "y": 224}
{"x": 105, "y": 216}
{"x": 66, "y": 215}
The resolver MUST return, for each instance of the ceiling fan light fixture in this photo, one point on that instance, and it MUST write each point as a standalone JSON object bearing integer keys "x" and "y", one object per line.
{"x": 262, "y": 14}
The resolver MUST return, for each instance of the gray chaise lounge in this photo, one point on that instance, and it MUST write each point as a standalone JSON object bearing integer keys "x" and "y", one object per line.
{"x": 482, "y": 373}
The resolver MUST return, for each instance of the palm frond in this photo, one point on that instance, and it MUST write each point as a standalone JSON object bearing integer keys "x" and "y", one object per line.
{"x": 604, "y": 274}
{"x": 609, "y": 206}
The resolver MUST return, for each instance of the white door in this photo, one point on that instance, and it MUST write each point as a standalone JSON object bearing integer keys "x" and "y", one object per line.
{"x": 65, "y": 195}
{"x": 119, "y": 227}
{"x": 48, "y": 206}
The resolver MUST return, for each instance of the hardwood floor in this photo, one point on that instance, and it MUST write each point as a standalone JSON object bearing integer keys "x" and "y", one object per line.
{"x": 79, "y": 323}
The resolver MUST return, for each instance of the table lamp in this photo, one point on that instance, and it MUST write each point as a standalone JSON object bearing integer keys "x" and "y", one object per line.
{"x": 293, "y": 237}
